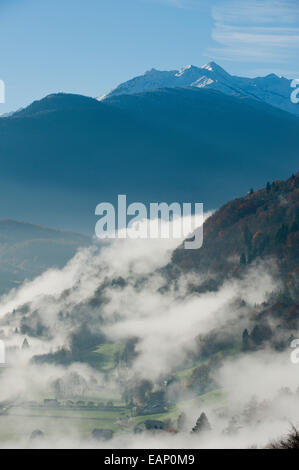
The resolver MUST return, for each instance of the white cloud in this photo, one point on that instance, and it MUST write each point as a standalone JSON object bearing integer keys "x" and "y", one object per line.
{"x": 256, "y": 12}
{"x": 260, "y": 31}
{"x": 166, "y": 323}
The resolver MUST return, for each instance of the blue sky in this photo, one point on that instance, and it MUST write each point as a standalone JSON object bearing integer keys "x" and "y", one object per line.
{"x": 90, "y": 46}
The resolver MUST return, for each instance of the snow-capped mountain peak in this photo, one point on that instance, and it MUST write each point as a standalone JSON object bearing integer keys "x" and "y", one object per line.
{"x": 213, "y": 67}
{"x": 182, "y": 70}
{"x": 272, "y": 89}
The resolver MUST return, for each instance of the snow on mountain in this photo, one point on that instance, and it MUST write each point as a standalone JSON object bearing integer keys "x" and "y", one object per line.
{"x": 271, "y": 89}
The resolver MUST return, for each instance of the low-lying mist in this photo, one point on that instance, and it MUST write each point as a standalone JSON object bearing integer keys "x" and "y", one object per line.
{"x": 117, "y": 292}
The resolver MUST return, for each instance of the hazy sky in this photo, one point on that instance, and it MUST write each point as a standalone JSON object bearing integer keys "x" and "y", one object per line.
{"x": 90, "y": 46}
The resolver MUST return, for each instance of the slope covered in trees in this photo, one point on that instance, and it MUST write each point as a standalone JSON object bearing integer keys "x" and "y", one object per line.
{"x": 262, "y": 225}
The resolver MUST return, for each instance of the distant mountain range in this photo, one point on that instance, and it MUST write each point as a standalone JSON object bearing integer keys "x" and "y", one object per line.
{"x": 27, "y": 250}
{"x": 271, "y": 89}
{"x": 64, "y": 154}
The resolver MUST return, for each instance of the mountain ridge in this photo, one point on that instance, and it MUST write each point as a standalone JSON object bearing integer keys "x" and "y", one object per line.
{"x": 264, "y": 224}
{"x": 69, "y": 152}
{"x": 270, "y": 89}
{"x": 27, "y": 250}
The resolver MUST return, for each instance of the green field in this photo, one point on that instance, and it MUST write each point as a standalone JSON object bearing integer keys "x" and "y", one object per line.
{"x": 185, "y": 374}
{"x": 105, "y": 357}
{"x": 79, "y": 421}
